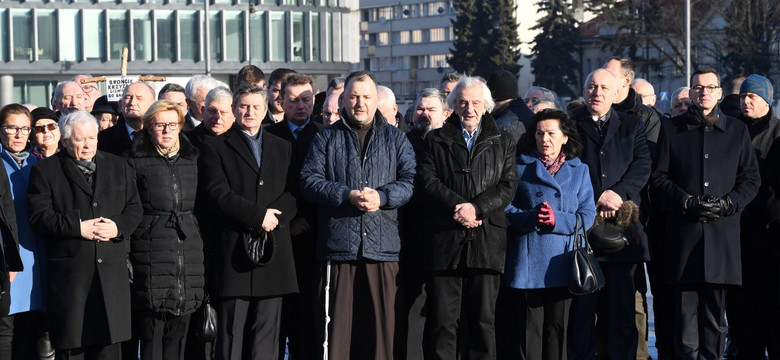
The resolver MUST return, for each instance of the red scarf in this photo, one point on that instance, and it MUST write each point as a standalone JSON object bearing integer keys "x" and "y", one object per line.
{"x": 552, "y": 165}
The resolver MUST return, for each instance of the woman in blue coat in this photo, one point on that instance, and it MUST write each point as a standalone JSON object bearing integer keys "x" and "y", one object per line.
{"x": 533, "y": 304}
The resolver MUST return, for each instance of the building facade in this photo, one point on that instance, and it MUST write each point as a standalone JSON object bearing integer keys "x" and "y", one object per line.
{"x": 49, "y": 41}
{"x": 405, "y": 44}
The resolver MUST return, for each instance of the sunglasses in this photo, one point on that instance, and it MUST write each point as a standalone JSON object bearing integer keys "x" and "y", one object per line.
{"x": 42, "y": 128}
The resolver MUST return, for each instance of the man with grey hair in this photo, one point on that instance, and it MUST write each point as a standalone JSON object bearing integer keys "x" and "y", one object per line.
{"x": 243, "y": 176}
{"x": 628, "y": 101}
{"x": 645, "y": 90}
{"x": 468, "y": 177}
{"x": 429, "y": 113}
{"x": 217, "y": 115}
{"x": 91, "y": 91}
{"x": 448, "y": 82}
{"x": 387, "y": 106}
{"x": 85, "y": 203}
{"x": 68, "y": 97}
{"x": 135, "y": 100}
{"x": 681, "y": 100}
{"x": 616, "y": 151}
{"x": 195, "y": 91}
{"x": 535, "y": 94}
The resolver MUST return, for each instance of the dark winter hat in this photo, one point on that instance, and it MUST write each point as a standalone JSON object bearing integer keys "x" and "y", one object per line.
{"x": 503, "y": 85}
{"x": 43, "y": 113}
{"x": 102, "y": 105}
{"x": 758, "y": 85}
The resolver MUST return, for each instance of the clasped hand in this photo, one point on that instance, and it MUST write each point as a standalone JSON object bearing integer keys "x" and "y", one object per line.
{"x": 466, "y": 215}
{"x": 99, "y": 229}
{"x": 546, "y": 216}
{"x": 367, "y": 199}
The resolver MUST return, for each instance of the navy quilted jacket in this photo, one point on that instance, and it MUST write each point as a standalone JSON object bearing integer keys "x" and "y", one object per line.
{"x": 333, "y": 167}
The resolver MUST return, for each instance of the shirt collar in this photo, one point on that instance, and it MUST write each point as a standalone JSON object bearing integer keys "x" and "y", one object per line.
{"x": 293, "y": 127}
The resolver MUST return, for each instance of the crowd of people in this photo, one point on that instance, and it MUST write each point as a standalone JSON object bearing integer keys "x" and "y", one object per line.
{"x": 331, "y": 225}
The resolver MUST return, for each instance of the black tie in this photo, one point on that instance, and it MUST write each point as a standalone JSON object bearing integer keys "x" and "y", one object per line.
{"x": 297, "y": 132}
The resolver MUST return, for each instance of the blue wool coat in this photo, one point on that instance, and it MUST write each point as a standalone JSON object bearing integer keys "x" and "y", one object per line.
{"x": 28, "y": 291}
{"x": 539, "y": 257}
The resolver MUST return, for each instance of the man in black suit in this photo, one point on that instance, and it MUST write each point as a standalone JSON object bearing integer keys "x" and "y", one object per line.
{"x": 275, "y": 111}
{"x": 298, "y": 129}
{"x": 243, "y": 176}
{"x": 196, "y": 90}
{"x": 135, "y": 100}
{"x": 85, "y": 204}
{"x": 616, "y": 151}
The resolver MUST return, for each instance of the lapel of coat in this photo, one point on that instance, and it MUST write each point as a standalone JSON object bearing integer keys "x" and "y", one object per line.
{"x": 235, "y": 142}
{"x": 612, "y": 127}
{"x": 541, "y": 173}
{"x": 101, "y": 175}
{"x": 73, "y": 174}
{"x": 587, "y": 126}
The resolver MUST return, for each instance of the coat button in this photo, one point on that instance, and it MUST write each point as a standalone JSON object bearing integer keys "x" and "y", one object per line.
{"x": 557, "y": 195}
{"x": 706, "y": 183}
{"x": 100, "y": 261}
{"x": 706, "y": 156}
{"x": 539, "y": 194}
{"x": 603, "y": 176}
{"x": 602, "y": 152}
{"x": 94, "y": 204}
{"x": 364, "y": 234}
{"x": 260, "y": 183}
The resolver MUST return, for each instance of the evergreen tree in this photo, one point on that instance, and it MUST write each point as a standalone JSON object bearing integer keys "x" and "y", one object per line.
{"x": 486, "y": 37}
{"x": 555, "y": 49}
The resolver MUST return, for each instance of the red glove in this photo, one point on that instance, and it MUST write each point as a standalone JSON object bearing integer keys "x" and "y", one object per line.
{"x": 546, "y": 216}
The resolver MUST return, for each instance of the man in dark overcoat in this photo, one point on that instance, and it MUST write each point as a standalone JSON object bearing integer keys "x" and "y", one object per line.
{"x": 468, "y": 176}
{"x": 705, "y": 174}
{"x": 136, "y": 99}
{"x": 616, "y": 152}
{"x": 298, "y": 129}
{"x": 85, "y": 204}
{"x": 243, "y": 176}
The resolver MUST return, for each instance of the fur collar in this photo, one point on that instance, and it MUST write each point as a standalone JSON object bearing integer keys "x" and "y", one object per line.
{"x": 143, "y": 147}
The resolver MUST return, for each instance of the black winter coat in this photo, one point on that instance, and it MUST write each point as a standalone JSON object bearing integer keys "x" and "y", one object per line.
{"x": 514, "y": 117}
{"x": 621, "y": 164}
{"x": 239, "y": 193}
{"x": 485, "y": 176}
{"x": 167, "y": 249}
{"x": 10, "y": 259}
{"x": 695, "y": 159}
{"x": 115, "y": 140}
{"x": 60, "y": 198}
{"x": 632, "y": 105}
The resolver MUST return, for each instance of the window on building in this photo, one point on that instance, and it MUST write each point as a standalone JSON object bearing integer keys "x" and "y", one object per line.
{"x": 3, "y": 39}
{"x": 400, "y": 63}
{"x": 436, "y": 8}
{"x": 189, "y": 32}
{"x": 386, "y": 13}
{"x": 437, "y": 34}
{"x": 257, "y": 36}
{"x": 417, "y": 36}
{"x": 166, "y": 35}
{"x": 329, "y": 36}
{"x": 225, "y": 2}
{"x": 215, "y": 37}
{"x": 94, "y": 34}
{"x": 383, "y": 39}
{"x": 47, "y": 40}
{"x": 69, "y": 30}
{"x": 269, "y": 2}
{"x": 234, "y": 35}
{"x": 316, "y": 39}
{"x": 290, "y": 2}
{"x": 21, "y": 21}
{"x": 278, "y": 36}
{"x": 119, "y": 34}
{"x": 400, "y": 37}
{"x": 142, "y": 35}
{"x": 298, "y": 36}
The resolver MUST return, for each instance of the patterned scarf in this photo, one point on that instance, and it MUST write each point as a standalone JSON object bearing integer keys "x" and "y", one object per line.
{"x": 169, "y": 153}
{"x": 552, "y": 165}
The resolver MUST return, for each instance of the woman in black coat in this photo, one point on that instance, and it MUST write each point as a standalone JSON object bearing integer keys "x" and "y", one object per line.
{"x": 83, "y": 202}
{"x": 166, "y": 250}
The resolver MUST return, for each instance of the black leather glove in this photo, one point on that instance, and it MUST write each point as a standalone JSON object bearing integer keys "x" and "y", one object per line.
{"x": 721, "y": 205}
{"x": 700, "y": 207}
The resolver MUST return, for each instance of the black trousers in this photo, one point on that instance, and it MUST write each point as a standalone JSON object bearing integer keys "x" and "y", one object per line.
{"x": 298, "y": 326}
{"x": 248, "y": 328}
{"x": 532, "y": 323}
{"x": 663, "y": 309}
{"x": 474, "y": 292}
{"x": 615, "y": 305}
{"x": 699, "y": 322}
{"x": 410, "y": 330}
{"x": 163, "y": 336}
{"x": 92, "y": 352}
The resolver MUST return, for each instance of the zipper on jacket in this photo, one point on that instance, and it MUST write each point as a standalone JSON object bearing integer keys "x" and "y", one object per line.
{"x": 179, "y": 244}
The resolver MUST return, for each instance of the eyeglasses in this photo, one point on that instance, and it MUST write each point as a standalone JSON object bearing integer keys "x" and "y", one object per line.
{"x": 39, "y": 129}
{"x": 710, "y": 88}
{"x": 160, "y": 126}
{"x": 13, "y": 130}
{"x": 89, "y": 88}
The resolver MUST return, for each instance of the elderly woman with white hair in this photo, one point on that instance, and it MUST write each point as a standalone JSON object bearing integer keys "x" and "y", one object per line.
{"x": 85, "y": 205}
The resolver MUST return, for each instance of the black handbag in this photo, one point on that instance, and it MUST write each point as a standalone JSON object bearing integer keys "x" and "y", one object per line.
{"x": 586, "y": 276}
{"x": 259, "y": 246}
{"x": 206, "y": 317}
{"x": 607, "y": 237}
